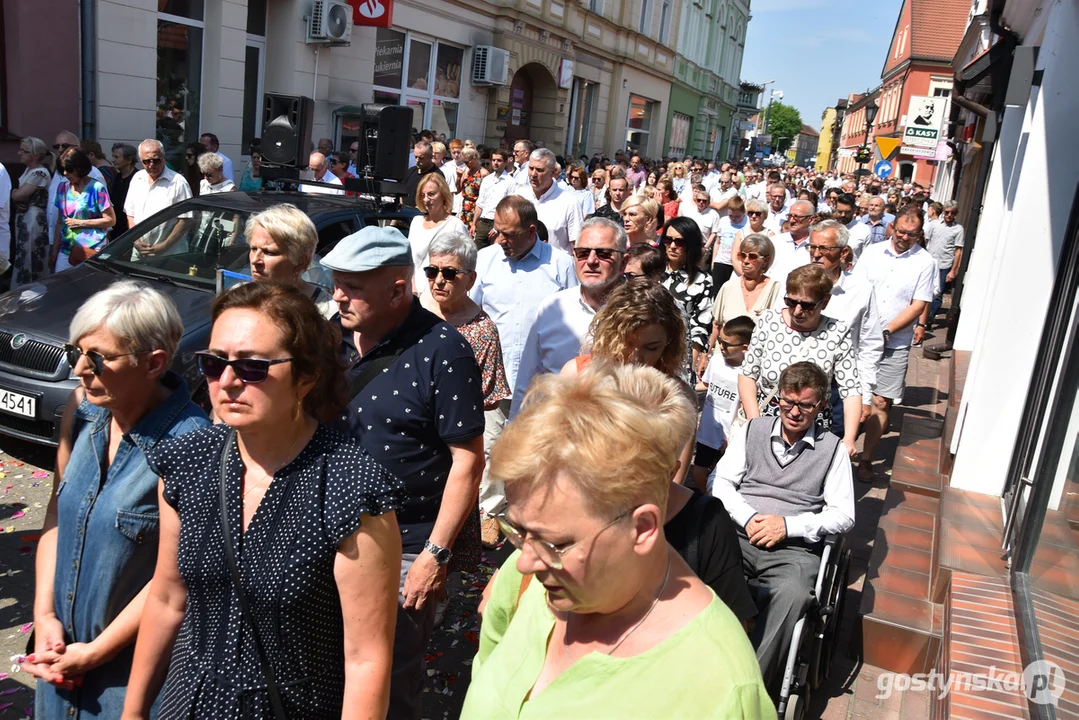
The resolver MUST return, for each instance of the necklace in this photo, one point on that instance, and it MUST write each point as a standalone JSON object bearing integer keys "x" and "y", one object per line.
{"x": 269, "y": 475}
{"x": 666, "y": 578}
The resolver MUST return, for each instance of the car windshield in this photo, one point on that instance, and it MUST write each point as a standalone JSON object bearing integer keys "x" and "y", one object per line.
{"x": 185, "y": 244}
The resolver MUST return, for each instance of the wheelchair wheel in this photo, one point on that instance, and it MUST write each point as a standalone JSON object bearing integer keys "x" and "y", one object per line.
{"x": 837, "y": 599}
{"x": 796, "y": 706}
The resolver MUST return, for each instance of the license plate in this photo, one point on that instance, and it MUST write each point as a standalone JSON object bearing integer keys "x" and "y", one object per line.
{"x": 16, "y": 404}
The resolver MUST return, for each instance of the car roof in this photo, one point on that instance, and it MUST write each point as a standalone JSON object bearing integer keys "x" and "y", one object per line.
{"x": 310, "y": 203}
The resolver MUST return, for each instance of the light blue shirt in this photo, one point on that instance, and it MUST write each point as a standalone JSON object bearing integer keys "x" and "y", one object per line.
{"x": 878, "y": 232}
{"x": 510, "y": 292}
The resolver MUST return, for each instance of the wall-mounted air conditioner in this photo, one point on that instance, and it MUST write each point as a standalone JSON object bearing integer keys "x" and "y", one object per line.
{"x": 490, "y": 65}
{"x": 329, "y": 23}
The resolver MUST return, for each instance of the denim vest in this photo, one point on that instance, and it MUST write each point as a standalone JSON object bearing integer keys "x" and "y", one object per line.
{"x": 106, "y": 543}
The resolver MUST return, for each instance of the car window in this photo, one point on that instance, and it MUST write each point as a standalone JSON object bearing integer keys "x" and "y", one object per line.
{"x": 401, "y": 221}
{"x": 329, "y": 235}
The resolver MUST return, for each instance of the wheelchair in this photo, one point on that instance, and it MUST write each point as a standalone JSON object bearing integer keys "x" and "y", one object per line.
{"x": 813, "y": 643}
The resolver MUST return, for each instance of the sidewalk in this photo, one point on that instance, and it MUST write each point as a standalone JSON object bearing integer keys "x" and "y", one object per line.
{"x": 852, "y": 689}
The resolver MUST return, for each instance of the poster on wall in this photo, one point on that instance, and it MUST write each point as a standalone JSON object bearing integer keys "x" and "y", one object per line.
{"x": 502, "y": 113}
{"x": 389, "y": 57}
{"x": 372, "y": 13}
{"x": 925, "y": 118}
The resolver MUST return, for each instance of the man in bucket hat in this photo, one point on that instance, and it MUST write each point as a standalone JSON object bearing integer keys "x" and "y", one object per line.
{"x": 417, "y": 407}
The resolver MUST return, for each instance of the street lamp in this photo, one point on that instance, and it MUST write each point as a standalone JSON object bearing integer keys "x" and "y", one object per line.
{"x": 870, "y": 116}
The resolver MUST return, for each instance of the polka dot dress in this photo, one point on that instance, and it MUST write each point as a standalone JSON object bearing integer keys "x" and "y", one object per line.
{"x": 286, "y": 558}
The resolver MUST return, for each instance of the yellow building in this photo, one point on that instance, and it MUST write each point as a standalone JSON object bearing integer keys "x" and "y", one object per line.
{"x": 824, "y": 148}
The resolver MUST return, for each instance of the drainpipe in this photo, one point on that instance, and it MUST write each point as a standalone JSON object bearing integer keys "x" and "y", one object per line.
{"x": 88, "y": 62}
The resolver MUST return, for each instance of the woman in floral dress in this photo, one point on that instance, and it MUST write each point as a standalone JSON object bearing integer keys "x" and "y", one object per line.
{"x": 31, "y": 250}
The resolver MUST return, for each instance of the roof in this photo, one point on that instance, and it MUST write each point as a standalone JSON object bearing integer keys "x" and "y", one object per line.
{"x": 938, "y": 27}
{"x": 807, "y": 130}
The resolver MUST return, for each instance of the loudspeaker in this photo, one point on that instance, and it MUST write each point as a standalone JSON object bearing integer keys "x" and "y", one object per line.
{"x": 385, "y": 141}
{"x": 287, "y": 121}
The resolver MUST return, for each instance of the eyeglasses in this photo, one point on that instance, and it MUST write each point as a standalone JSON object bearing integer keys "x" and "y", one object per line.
{"x": 908, "y": 234}
{"x": 823, "y": 248}
{"x": 676, "y": 241}
{"x": 806, "y": 305}
{"x": 152, "y": 161}
{"x": 447, "y": 272}
{"x": 250, "y": 371}
{"x": 700, "y": 199}
{"x": 799, "y": 218}
{"x": 62, "y": 146}
{"x": 549, "y": 554}
{"x": 754, "y": 212}
{"x": 604, "y": 254}
{"x": 627, "y": 276}
{"x": 93, "y": 357}
{"x": 750, "y": 256}
{"x": 806, "y": 407}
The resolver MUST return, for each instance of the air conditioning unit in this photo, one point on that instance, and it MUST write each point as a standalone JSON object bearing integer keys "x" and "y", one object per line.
{"x": 490, "y": 65}
{"x": 329, "y": 23}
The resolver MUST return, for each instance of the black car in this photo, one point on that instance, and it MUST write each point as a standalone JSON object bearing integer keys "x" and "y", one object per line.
{"x": 35, "y": 379}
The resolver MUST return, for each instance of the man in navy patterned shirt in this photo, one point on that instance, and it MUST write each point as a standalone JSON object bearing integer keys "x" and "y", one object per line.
{"x": 417, "y": 408}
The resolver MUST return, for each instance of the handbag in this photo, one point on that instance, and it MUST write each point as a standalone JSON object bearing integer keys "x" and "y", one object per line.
{"x": 241, "y": 597}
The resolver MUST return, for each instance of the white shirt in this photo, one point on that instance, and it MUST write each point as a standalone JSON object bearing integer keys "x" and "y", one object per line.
{"x": 561, "y": 324}
{"x": 226, "y": 166}
{"x": 51, "y": 212}
{"x": 757, "y": 191}
{"x": 420, "y": 239}
{"x": 559, "y": 211}
{"x": 492, "y": 189}
{"x": 449, "y": 171}
{"x": 853, "y": 302}
{"x": 707, "y": 221}
{"x": 586, "y": 200}
{"x": 721, "y": 251}
{"x": 328, "y": 177}
{"x": 5, "y": 214}
{"x": 205, "y": 188}
{"x": 720, "y": 403}
{"x": 898, "y": 279}
{"x": 775, "y": 220}
{"x": 837, "y": 515}
{"x": 520, "y": 175}
{"x": 860, "y": 235}
{"x": 144, "y": 199}
{"x": 716, "y": 195}
{"x": 789, "y": 255}
{"x": 511, "y": 291}
{"x": 710, "y": 180}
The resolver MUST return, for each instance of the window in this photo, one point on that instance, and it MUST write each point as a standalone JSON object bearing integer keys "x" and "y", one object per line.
{"x": 639, "y": 123}
{"x": 179, "y": 75}
{"x": 646, "y": 17}
{"x": 425, "y": 73}
{"x": 596, "y": 6}
{"x": 580, "y": 117}
{"x": 665, "y": 22}
{"x": 254, "y": 70}
{"x": 680, "y": 129}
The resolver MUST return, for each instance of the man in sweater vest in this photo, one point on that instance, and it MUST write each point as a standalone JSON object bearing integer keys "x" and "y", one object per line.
{"x": 787, "y": 484}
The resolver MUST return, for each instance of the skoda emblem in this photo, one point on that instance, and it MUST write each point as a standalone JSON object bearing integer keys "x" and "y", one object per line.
{"x": 18, "y": 340}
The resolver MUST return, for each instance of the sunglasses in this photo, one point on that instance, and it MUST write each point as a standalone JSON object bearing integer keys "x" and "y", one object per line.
{"x": 152, "y": 161}
{"x": 250, "y": 371}
{"x": 605, "y": 254}
{"x": 806, "y": 305}
{"x": 799, "y": 218}
{"x": 754, "y": 212}
{"x": 677, "y": 242}
{"x": 449, "y": 273}
{"x": 749, "y": 256}
{"x": 93, "y": 357}
{"x": 62, "y": 146}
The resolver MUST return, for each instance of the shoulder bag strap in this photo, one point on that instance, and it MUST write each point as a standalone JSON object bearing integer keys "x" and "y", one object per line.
{"x": 696, "y": 516}
{"x": 237, "y": 584}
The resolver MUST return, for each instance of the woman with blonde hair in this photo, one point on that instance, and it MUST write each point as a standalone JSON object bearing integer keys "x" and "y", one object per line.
{"x": 434, "y": 200}
{"x": 756, "y": 213}
{"x": 615, "y": 623}
{"x": 640, "y": 218}
{"x": 281, "y": 242}
{"x": 679, "y": 176}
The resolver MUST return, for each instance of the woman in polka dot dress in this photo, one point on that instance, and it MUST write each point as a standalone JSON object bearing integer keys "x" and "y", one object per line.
{"x": 313, "y": 526}
{"x": 797, "y": 333}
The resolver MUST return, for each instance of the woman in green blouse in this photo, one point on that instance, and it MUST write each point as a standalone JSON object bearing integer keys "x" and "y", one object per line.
{"x": 595, "y": 616}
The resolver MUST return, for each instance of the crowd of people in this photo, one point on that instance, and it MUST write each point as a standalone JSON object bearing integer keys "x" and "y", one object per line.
{"x": 650, "y": 387}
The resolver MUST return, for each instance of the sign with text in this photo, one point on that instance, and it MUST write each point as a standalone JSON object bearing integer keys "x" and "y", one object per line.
{"x": 372, "y": 13}
{"x": 925, "y": 120}
{"x": 389, "y": 57}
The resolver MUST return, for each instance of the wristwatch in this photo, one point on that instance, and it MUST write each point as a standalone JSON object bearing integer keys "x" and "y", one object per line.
{"x": 919, "y": 324}
{"x": 442, "y": 555}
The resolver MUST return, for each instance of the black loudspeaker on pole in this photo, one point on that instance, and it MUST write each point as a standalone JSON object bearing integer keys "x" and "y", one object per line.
{"x": 287, "y": 121}
{"x": 385, "y": 141}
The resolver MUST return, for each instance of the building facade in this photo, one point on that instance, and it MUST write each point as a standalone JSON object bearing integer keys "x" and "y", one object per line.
{"x": 803, "y": 149}
{"x": 744, "y": 122}
{"x": 823, "y": 161}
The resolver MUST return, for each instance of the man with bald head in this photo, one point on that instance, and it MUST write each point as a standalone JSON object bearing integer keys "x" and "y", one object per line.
{"x": 320, "y": 168}
{"x": 792, "y": 247}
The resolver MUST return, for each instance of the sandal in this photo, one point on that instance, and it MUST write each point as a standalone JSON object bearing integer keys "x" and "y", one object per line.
{"x": 865, "y": 471}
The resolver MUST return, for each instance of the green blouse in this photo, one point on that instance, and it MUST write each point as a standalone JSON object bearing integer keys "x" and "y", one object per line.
{"x": 705, "y": 670}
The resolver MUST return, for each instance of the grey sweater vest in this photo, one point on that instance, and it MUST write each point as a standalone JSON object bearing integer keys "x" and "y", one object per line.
{"x": 773, "y": 489}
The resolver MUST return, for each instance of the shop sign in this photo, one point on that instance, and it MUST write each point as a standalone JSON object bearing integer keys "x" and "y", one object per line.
{"x": 372, "y": 13}
{"x": 925, "y": 118}
{"x": 389, "y": 58}
{"x": 565, "y": 73}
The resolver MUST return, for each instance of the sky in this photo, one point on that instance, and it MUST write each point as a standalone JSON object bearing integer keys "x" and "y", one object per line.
{"x": 818, "y": 51}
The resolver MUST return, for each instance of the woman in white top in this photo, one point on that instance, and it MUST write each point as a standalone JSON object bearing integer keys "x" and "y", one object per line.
{"x": 749, "y": 293}
{"x": 578, "y": 180}
{"x": 29, "y": 200}
{"x": 213, "y": 176}
{"x": 640, "y": 218}
{"x": 434, "y": 200}
{"x": 756, "y": 213}
{"x": 281, "y": 242}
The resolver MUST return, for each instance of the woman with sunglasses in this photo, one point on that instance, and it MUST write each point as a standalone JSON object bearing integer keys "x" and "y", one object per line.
{"x": 801, "y": 332}
{"x": 296, "y": 617}
{"x": 679, "y": 176}
{"x": 595, "y": 615}
{"x": 690, "y": 286}
{"x": 578, "y": 180}
{"x": 434, "y": 200}
{"x": 450, "y": 276}
{"x": 213, "y": 180}
{"x": 85, "y": 212}
{"x": 756, "y": 214}
{"x": 100, "y": 538}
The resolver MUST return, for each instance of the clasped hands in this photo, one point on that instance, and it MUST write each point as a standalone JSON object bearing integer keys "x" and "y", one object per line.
{"x": 765, "y": 531}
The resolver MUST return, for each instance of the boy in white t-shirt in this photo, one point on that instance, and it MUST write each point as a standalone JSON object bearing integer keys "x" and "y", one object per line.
{"x": 721, "y": 401}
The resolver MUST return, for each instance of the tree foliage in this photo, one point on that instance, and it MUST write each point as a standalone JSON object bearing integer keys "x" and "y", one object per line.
{"x": 784, "y": 122}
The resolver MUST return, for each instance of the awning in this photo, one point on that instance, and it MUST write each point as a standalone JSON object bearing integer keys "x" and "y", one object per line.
{"x": 348, "y": 110}
{"x": 978, "y": 73}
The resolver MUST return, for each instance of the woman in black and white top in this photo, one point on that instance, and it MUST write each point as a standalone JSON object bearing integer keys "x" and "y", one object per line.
{"x": 796, "y": 333}
{"x": 691, "y": 286}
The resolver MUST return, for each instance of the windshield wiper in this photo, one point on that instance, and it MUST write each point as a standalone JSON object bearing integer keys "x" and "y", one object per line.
{"x": 167, "y": 280}
{"x": 99, "y": 265}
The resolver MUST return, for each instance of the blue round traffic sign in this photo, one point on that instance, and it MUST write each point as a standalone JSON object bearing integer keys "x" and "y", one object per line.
{"x": 882, "y": 169}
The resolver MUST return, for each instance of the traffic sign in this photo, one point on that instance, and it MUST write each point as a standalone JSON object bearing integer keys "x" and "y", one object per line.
{"x": 882, "y": 169}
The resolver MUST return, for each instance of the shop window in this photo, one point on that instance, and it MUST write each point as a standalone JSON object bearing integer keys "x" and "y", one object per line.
{"x": 422, "y": 74}
{"x": 639, "y": 123}
{"x": 680, "y": 127}
{"x": 179, "y": 77}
